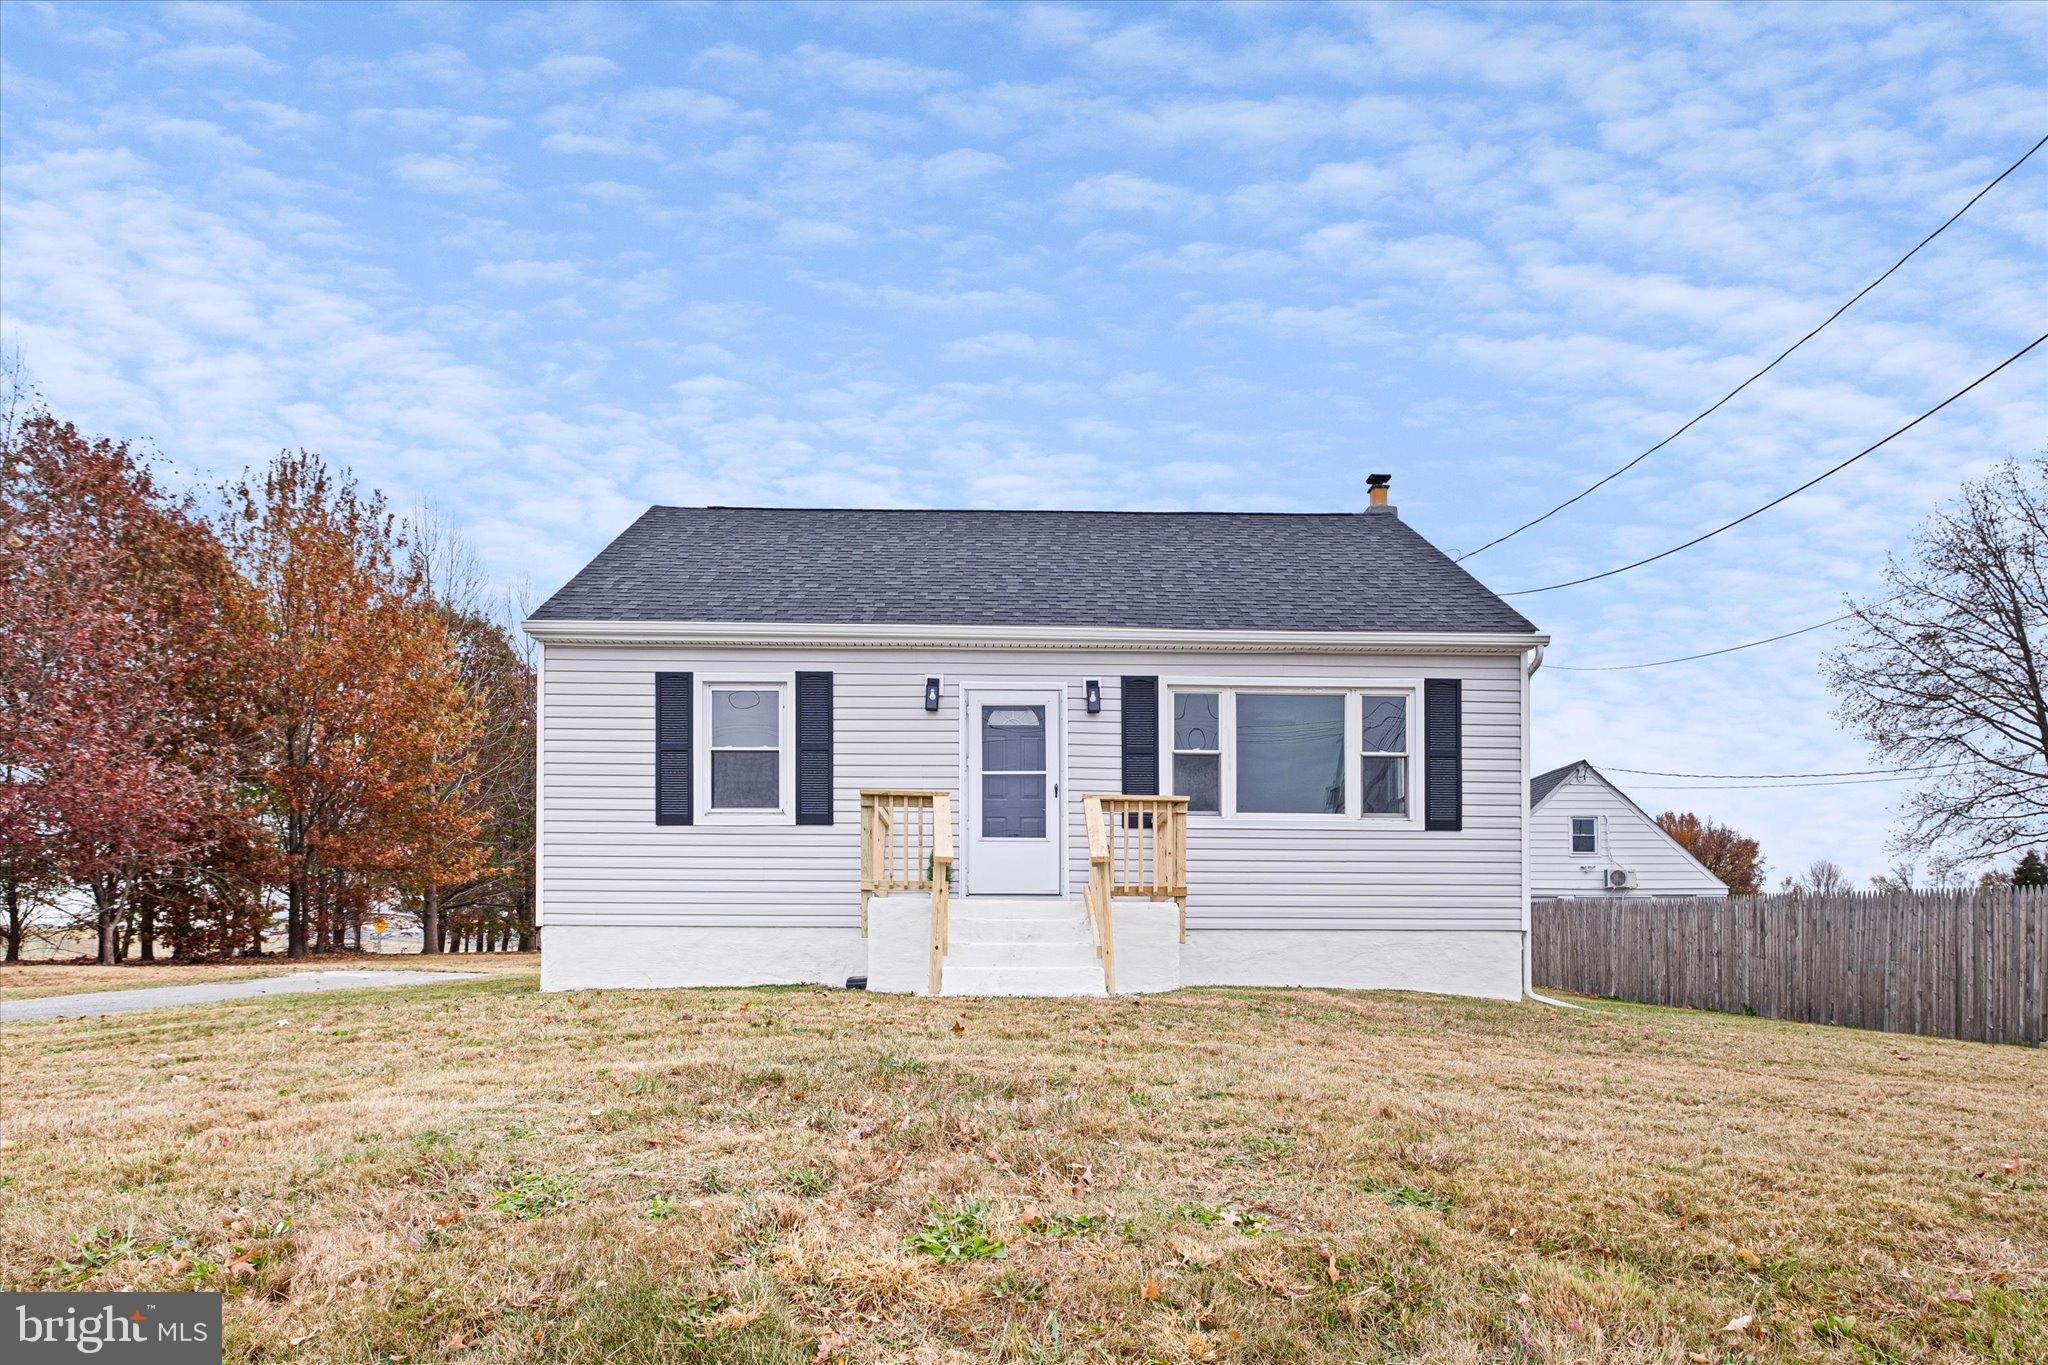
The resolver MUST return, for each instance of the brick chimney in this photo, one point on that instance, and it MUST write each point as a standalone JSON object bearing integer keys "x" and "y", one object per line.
{"x": 1376, "y": 485}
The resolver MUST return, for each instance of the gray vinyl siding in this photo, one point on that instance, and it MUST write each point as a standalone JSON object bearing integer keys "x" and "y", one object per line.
{"x": 1627, "y": 840}
{"x": 606, "y": 862}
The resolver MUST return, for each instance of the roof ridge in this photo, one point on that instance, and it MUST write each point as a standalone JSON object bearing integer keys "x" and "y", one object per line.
{"x": 1002, "y": 511}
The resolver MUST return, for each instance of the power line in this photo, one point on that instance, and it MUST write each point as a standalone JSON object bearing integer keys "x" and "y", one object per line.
{"x": 1766, "y": 786}
{"x": 1765, "y": 370}
{"x": 1687, "y": 658}
{"x": 1847, "y": 772}
{"x": 1785, "y": 497}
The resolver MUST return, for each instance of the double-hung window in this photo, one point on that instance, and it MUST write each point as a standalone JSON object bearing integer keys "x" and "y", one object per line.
{"x": 749, "y": 748}
{"x": 1383, "y": 764}
{"x": 1585, "y": 834}
{"x": 1198, "y": 749}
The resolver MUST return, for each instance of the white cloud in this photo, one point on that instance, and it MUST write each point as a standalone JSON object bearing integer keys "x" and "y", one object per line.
{"x": 432, "y": 124}
{"x": 523, "y": 274}
{"x": 592, "y": 144}
{"x": 1011, "y": 346}
{"x": 814, "y": 232}
{"x": 575, "y": 68}
{"x": 868, "y": 75}
{"x": 195, "y": 58}
{"x": 961, "y": 166}
{"x": 446, "y": 175}
{"x": 1123, "y": 192}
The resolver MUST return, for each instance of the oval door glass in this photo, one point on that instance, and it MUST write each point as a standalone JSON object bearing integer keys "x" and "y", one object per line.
{"x": 1013, "y": 774}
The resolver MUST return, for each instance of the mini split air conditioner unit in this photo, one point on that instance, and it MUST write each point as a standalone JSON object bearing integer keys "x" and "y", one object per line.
{"x": 1620, "y": 879}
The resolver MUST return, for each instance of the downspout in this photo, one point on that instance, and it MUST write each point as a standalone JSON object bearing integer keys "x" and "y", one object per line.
{"x": 1532, "y": 661}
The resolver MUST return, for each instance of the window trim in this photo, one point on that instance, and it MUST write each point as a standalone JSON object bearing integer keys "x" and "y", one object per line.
{"x": 1572, "y": 835}
{"x": 783, "y": 685}
{"x": 1351, "y": 689}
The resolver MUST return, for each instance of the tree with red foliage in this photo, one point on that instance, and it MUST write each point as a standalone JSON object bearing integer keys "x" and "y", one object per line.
{"x": 118, "y": 751}
{"x": 1733, "y": 858}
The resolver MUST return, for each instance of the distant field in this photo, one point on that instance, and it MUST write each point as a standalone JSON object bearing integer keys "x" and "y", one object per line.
{"x": 29, "y": 980}
{"x": 477, "y": 1172}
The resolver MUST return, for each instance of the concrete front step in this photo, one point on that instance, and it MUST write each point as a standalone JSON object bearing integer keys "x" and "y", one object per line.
{"x": 1021, "y": 980}
{"x": 1001, "y": 956}
{"x": 1020, "y": 947}
{"x": 992, "y": 929}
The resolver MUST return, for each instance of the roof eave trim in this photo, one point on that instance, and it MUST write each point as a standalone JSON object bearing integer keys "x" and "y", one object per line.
{"x": 883, "y": 635}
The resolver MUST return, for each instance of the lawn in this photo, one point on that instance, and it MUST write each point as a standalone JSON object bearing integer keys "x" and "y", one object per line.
{"x": 473, "y": 1171}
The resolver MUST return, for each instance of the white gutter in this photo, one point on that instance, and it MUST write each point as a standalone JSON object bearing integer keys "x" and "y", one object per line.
{"x": 885, "y": 635}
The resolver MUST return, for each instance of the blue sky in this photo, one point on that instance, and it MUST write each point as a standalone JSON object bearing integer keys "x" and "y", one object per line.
{"x": 539, "y": 267}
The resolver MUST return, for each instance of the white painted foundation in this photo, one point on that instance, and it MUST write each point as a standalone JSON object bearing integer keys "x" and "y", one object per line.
{"x": 592, "y": 957}
{"x": 1148, "y": 947}
{"x": 1149, "y": 957}
{"x": 1446, "y": 962}
{"x": 899, "y": 944}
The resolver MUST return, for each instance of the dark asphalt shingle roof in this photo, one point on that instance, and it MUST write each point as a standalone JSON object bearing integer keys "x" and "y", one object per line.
{"x": 1543, "y": 784}
{"x": 1348, "y": 571}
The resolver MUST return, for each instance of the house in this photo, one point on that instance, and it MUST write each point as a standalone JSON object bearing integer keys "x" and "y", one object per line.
{"x": 1586, "y": 838}
{"x": 929, "y": 747}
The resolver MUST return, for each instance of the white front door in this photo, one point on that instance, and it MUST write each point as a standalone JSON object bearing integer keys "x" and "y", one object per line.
{"x": 1013, "y": 784}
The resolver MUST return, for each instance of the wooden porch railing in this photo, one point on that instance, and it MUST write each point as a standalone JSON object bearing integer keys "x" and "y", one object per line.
{"x": 1137, "y": 846}
{"x": 906, "y": 844}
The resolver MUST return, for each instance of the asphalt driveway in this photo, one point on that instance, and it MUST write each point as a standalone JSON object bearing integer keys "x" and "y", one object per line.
{"x": 164, "y": 997}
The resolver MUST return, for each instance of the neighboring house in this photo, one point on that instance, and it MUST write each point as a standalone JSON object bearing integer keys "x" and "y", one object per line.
{"x": 749, "y": 716}
{"x": 1588, "y": 839}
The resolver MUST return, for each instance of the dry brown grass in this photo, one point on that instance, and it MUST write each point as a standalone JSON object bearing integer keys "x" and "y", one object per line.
{"x": 30, "y": 980}
{"x": 475, "y": 1171}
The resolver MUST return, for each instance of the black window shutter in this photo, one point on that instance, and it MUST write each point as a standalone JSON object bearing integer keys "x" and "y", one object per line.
{"x": 814, "y": 748}
{"x": 1141, "y": 736}
{"x": 1443, "y": 753}
{"x": 672, "y": 754}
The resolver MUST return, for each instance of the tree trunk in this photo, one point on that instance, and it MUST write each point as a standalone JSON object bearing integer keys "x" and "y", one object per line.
{"x": 15, "y": 927}
{"x": 430, "y": 920}
{"x": 147, "y": 932}
{"x": 103, "y": 920}
{"x": 295, "y": 913}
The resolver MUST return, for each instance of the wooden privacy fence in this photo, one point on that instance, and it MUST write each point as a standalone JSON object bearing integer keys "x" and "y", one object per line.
{"x": 1954, "y": 964}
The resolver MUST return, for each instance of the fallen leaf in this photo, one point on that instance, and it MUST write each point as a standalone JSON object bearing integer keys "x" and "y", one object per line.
{"x": 1957, "y": 1296}
{"x": 829, "y": 1345}
{"x": 1748, "y": 1257}
{"x": 960, "y": 1024}
{"x": 1330, "y": 1264}
{"x": 457, "y": 1340}
{"x": 1152, "y": 1290}
{"x": 1738, "y": 1326}
{"x": 2011, "y": 1167}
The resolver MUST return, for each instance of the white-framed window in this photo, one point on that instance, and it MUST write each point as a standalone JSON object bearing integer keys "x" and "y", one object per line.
{"x": 1198, "y": 749}
{"x": 1585, "y": 834}
{"x": 1283, "y": 751}
{"x": 1384, "y": 727}
{"x": 746, "y": 755}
